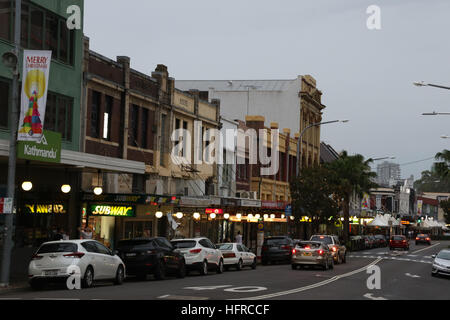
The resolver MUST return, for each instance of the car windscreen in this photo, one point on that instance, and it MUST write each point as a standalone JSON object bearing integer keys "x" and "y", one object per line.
{"x": 398, "y": 238}
{"x": 326, "y": 240}
{"x": 184, "y": 244}
{"x": 310, "y": 245}
{"x": 276, "y": 241}
{"x": 136, "y": 244}
{"x": 58, "y": 247}
{"x": 444, "y": 255}
{"x": 379, "y": 236}
{"x": 225, "y": 246}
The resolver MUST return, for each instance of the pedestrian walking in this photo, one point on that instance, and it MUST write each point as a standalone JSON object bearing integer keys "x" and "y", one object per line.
{"x": 85, "y": 233}
{"x": 239, "y": 238}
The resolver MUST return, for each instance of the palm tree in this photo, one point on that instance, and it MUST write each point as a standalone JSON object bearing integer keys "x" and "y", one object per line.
{"x": 442, "y": 167}
{"x": 351, "y": 174}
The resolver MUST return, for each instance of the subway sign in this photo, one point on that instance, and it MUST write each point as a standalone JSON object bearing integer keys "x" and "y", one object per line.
{"x": 45, "y": 208}
{"x": 112, "y": 211}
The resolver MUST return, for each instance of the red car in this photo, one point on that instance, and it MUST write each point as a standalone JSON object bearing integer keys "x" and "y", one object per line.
{"x": 398, "y": 242}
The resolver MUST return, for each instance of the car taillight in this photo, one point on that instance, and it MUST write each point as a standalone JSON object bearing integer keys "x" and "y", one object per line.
{"x": 78, "y": 255}
{"x": 417, "y": 239}
{"x": 195, "y": 251}
{"x": 307, "y": 248}
{"x": 294, "y": 251}
{"x": 229, "y": 255}
{"x": 36, "y": 257}
{"x": 320, "y": 252}
{"x": 404, "y": 241}
{"x": 334, "y": 249}
{"x": 428, "y": 239}
{"x": 286, "y": 247}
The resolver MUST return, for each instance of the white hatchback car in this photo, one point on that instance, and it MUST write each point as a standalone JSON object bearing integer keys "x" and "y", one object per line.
{"x": 57, "y": 260}
{"x": 200, "y": 254}
{"x": 237, "y": 255}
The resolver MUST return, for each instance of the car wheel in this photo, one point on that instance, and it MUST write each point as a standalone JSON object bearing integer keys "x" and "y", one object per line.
{"x": 254, "y": 264}
{"x": 204, "y": 268}
{"x": 120, "y": 276}
{"x": 220, "y": 266}
{"x": 88, "y": 278}
{"x": 160, "y": 272}
{"x": 181, "y": 270}
{"x": 239, "y": 265}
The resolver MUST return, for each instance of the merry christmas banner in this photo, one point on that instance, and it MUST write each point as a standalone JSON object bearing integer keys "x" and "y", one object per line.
{"x": 36, "y": 69}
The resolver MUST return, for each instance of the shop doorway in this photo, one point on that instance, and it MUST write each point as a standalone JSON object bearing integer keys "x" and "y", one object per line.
{"x": 137, "y": 229}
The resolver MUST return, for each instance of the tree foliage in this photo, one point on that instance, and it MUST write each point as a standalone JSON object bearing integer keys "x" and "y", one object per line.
{"x": 445, "y": 205}
{"x": 437, "y": 179}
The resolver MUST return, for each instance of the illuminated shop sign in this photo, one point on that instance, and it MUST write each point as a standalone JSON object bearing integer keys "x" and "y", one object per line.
{"x": 211, "y": 210}
{"x": 45, "y": 208}
{"x": 115, "y": 211}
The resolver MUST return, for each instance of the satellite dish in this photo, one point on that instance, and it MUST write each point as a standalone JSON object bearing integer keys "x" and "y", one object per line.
{"x": 10, "y": 60}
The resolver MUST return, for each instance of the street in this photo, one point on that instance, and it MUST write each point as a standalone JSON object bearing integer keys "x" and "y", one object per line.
{"x": 404, "y": 276}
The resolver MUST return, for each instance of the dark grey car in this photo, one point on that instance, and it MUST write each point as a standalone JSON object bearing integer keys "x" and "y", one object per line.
{"x": 277, "y": 249}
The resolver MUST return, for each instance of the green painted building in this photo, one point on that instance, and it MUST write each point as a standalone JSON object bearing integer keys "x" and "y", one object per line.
{"x": 44, "y": 28}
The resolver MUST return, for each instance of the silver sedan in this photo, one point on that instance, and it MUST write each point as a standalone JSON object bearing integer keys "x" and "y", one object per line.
{"x": 312, "y": 253}
{"x": 441, "y": 263}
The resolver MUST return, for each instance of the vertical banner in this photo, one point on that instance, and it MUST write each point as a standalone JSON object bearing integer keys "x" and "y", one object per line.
{"x": 36, "y": 70}
{"x": 419, "y": 207}
{"x": 365, "y": 203}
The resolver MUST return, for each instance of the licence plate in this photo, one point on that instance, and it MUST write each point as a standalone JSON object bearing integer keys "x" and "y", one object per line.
{"x": 51, "y": 273}
{"x": 307, "y": 253}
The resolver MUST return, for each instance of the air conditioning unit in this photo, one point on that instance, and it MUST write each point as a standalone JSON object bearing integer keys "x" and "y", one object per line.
{"x": 253, "y": 195}
{"x": 243, "y": 194}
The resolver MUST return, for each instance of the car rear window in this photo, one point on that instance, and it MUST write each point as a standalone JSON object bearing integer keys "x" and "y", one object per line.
{"x": 58, "y": 247}
{"x": 276, "y": 241}
{"x": 398, "y": 238}
{"x": 184, "y": 244}
{"x": 324, "y": 239}
{"x": 135, "y": 243}
{"x": 225, "y": 246}
{"x": 311, "y": 245}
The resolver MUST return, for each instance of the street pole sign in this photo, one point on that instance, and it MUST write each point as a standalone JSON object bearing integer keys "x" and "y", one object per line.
{"x": 6, "y": 205}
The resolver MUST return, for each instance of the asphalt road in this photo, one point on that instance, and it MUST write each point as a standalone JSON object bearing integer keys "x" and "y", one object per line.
{"x": 404, "y": 276}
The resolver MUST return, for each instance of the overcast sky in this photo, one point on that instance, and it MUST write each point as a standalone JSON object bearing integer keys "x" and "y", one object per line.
{"x": 365, "y": 75}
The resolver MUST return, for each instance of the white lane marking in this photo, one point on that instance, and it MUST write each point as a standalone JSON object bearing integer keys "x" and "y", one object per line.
{"x": 175, "y": 297}
{"x": 412, "y": 255}
{"x": 427, "y": 247}
{"x": 412, "y": 275}
{"x": 69, "y": 299}
{"x": 369, "y": 296}
{"x": 208, "y": 287}
{"x": 10, "y": 298}
{"x": 245, "y": 289}
{"x": 316, "y": 285}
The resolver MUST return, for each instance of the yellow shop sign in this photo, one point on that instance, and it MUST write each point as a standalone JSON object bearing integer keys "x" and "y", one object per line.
{"x": 116, "y": 211}
{"x": 46, "y": 208}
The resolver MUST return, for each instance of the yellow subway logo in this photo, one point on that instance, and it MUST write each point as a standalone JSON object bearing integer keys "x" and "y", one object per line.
{"x": 101, "y": 210}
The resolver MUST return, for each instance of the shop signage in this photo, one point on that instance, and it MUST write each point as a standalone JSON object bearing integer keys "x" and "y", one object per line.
{"x": 46, "y": 208}
{"x": 197, "y": 202}
{"x": 211, "y": 210}
{"x": 278, "y": 205}
{"x": 288, "y": 210}
{"x": 131, "y": 198}
{"x": 250, "y": 203}
{"x": 405, "y": 222}
{"x": 230, "y": 202}
{"x": 47, "y": 148}
{"x": 112, "y": 211}
{"x": 6, "y": 205}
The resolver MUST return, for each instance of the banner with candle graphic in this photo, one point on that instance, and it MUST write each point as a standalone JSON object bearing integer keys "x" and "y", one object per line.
{"x": 36, "y": 69}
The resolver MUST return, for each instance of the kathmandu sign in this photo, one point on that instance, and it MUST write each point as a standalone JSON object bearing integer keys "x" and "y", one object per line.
{"x": 47, "y": 149}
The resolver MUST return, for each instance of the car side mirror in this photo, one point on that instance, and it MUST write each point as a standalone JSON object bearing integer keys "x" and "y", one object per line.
{"x": 433, "y": 256}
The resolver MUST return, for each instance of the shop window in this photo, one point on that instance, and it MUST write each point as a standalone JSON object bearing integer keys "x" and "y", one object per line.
{"x": 37, "y": 27}
{"x": 63, "y": 54}
{"x": 144, "y": 128}
{"x": 134, "y": 126}
{"x": 58, "y": 115}
{"x": 95, "y": 114}
{"x": 107, "y": 115}
{"x": 138, "y": 229}
{"x": 5, "y": 19}
{"x": 51, "y": 33}
{"x": 24, "y": 30}
{"x": 4, "y": 103}
{"x": 164, "y": 139}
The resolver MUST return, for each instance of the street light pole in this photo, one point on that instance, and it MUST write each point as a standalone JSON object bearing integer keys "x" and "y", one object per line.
{"x": 7, "y": 246}
{"x": 423, "y": 84}
{"x": 300, "y": 140}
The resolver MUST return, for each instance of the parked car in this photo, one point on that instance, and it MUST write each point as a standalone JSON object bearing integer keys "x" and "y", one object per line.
{"x": 357, "y": 243}
{"x": 312, "y": 253}
{"x": 200, "y": 254}
{"x": 441, "y": 263}
{"x": 374, "y": 241}
{"x": 54, "y": 261}
{"x": 398, "y": 242}
{"x": 368, "y": 242}
{"x": 237, "y": 255}
{"x": 277, "y": 249}
{"x": 338, "y": 250}
{"x": 157, "y": 256}
{"x": 423, "y": 238}
{"x": 381, "y": 240}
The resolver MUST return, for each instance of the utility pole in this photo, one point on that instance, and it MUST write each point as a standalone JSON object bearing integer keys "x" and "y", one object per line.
{"x": 13, "y": 119}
